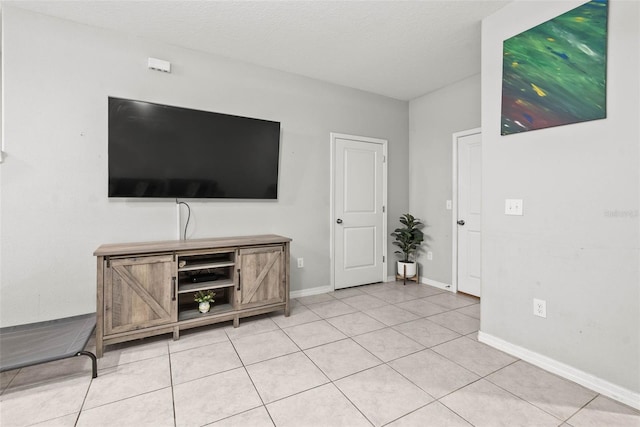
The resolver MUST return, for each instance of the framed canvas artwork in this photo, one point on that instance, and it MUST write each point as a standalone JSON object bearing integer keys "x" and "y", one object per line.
{"x": 555, "y": 73}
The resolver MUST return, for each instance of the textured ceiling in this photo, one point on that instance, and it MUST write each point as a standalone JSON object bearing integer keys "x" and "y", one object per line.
{"x": 400, "y": 49}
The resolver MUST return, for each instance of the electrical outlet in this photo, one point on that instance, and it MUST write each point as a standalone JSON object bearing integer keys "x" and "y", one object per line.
{"x": 300, "y": 262}
{"x": 539, "y": 307}
{"x": 513, "y": 206}
{"x": 430, "y": 255}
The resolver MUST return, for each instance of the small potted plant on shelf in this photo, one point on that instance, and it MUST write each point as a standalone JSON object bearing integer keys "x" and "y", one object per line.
{"x": 204, "y": 300}
{"x": 408, "y": 238}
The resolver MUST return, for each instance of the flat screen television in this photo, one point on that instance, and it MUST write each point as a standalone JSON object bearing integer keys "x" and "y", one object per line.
{"x": 163, "y": 151}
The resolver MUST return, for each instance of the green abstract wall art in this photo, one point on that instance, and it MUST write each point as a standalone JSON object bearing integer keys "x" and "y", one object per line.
{"x": 555, "y": 73}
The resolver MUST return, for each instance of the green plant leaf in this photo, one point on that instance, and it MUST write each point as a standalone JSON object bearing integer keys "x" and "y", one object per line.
{"x": 409, "y": 237}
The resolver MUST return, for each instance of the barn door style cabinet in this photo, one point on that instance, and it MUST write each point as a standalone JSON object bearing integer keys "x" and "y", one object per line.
{"x": 147, "y": 289}
{"x": 261, "y": 278}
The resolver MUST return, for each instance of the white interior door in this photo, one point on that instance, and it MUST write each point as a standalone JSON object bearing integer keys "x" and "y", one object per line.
{"x": 358, "y": 214}
{"x": 469, "y": 212}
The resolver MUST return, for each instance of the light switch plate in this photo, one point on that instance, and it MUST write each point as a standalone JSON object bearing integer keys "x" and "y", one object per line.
{"x": 449, "y": 205}
{"x": 513, "y": 206}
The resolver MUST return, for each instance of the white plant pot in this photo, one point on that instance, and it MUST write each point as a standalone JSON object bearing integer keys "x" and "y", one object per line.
{"x": 410, "y": 269}
{"x": 204, "y": 307}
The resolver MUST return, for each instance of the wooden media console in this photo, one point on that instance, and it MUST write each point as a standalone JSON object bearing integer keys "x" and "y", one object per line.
{"x": 147, "y": 289}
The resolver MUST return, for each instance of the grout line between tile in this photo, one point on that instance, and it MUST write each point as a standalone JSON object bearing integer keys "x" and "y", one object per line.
{"x": 516, "y": 396}
{"x": 173, "y": 396}
{"x": 409, "y": 413}
{"x": 5, "y": 388}
{"x": 582, "y": 407}
{"x": 353, "y": 404}
{"x": 452, "y": 410}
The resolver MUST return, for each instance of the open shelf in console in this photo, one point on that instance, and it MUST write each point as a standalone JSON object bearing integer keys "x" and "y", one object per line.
{"x": 203, "y": 286}
{"x": 188, "y": 307}
{"x": 195, "y": 314}
{"x": 205, "y": 271}
{"x": 197, "y": 262}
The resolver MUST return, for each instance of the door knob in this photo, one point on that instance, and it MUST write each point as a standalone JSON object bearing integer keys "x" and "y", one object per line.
{"x": 339, "y": 221}
{"x": 461, "y": 222}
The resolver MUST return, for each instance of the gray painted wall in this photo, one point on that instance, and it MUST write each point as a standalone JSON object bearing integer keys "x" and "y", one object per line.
{"x": 577, "y": 245}
{"x": 433, "y": 118}
{"x": 54, "y": 209}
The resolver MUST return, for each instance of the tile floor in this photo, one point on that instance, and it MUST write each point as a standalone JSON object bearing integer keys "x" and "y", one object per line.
{"x": 381, "y": 355}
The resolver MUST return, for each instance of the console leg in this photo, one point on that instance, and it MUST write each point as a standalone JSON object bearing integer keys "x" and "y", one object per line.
{"x": 99, "y": 346}
{"x": 236, "y": 322}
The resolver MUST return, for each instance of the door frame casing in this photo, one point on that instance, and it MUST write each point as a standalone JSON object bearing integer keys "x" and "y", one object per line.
{"x": 332, "y": 219}
{"x": 456, "y": 136}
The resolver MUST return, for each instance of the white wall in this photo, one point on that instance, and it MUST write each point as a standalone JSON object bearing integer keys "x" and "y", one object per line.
{"x": 570, "y": 248}
{"x": 54, "y": 209}
{"x": 433, "y": 118}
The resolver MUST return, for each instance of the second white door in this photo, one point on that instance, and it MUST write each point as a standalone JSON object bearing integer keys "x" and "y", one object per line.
{"x": 469, "y": 212}
{"x": 358, "y": 210}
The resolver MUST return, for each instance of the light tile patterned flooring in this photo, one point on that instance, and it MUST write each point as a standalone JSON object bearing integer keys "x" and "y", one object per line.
{"x": 383, "y": 354}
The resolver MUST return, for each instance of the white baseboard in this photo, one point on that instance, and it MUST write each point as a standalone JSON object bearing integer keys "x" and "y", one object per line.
{"x": 324, "y": 289}
{"x": 436, "y": 284}
{"x": 426, "y": 281}
{"x": 621, "y": 394}
{"x": 308, "y": 292}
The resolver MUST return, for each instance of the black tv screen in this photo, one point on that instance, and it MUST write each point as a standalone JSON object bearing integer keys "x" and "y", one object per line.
{"x": 162, "y": 151}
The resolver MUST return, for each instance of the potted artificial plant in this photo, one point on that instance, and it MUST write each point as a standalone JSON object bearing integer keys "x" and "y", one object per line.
{"x": 408, "y": 238}
{"x": 204, "y": 300}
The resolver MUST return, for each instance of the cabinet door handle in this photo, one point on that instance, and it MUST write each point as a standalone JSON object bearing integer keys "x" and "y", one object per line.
{"x": 238, "y": 279}
{"x": 173, "y": 289}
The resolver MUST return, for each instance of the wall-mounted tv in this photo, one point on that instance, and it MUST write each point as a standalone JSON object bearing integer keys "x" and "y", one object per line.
{"x": 163, "y": 151}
